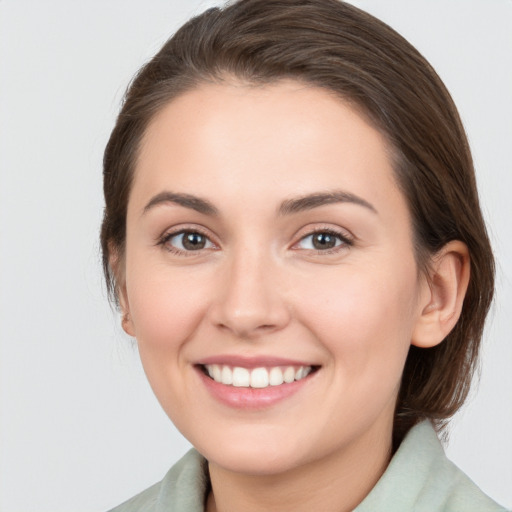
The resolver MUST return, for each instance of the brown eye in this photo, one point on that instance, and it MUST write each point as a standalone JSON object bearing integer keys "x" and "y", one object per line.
{"x": 193, "y": 241}
{"x": 323, "y": 241}
{"x": 188, "y": 241}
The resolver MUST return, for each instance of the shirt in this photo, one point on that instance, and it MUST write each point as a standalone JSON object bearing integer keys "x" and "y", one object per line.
{"x": 419, "y": 478}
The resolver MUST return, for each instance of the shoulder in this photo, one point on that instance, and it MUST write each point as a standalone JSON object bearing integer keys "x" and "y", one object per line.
{"x": 142, "y": 502}
{"x": 183, "y": 488}
{"x": 421, "y": 478}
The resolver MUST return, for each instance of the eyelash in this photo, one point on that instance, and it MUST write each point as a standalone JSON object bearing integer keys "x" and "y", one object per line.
{"x": 163, "y": 241}
{"x": 344, "y": 239}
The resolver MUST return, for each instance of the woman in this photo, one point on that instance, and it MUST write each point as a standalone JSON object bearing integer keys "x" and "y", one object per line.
{"x": 293, "y": 235}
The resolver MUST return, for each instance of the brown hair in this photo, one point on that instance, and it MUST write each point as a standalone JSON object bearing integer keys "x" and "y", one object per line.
{"x": 333, "y": 45}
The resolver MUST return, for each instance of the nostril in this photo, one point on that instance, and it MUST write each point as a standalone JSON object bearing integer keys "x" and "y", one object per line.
{"x": 248, "y": 312}
{"x": 266, "y": 327}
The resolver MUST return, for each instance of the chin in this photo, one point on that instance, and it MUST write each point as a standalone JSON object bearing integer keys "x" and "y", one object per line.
{"x": 262, "y": 457}
{"x": 261, "y": 463}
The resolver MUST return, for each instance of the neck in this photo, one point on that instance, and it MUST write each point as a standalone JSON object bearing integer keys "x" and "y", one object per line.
{"x": 336, "y": 483}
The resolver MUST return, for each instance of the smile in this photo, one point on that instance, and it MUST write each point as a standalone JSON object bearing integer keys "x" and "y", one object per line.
{"x": 258, "y": 378}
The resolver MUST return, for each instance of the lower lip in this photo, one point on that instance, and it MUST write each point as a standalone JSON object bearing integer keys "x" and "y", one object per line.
{"x": 251, "y": 398}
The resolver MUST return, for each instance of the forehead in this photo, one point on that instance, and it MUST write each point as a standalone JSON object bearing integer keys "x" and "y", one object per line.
{"x": 283, "y": 139}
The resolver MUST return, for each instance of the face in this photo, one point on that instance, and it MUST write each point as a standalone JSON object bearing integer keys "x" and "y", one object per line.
{"x": 270, "y": 277}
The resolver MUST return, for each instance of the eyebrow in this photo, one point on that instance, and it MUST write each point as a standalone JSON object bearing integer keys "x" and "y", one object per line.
{"x": 186, "y": 200}
{"x": 310, "y": 201}
{"x": 287, "y": 207}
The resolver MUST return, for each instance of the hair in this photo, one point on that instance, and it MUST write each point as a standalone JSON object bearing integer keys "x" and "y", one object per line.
{"x": 335, "y": 46}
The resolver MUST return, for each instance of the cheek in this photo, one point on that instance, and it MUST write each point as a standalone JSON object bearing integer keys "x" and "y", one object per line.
{"x": 165, "y": 306}
{"x": 364, "y": 316}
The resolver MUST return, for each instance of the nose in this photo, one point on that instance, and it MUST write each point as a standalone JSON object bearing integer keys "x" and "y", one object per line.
{"x": 250, "y": 301}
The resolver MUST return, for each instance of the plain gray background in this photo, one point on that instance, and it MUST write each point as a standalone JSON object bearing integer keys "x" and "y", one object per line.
{"x": 79, "y": 427}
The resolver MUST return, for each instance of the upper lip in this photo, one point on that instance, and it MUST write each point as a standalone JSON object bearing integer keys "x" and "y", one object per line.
{"x": 252, "y": 362}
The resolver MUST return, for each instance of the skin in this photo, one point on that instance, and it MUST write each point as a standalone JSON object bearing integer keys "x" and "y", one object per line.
{"x": 259, "y": 288}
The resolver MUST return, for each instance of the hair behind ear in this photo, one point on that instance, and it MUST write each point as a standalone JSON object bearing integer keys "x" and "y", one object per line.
{"x": 116, "y": 274}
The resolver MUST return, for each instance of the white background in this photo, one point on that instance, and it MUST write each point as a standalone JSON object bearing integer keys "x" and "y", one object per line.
{"x": 79, "y": 428}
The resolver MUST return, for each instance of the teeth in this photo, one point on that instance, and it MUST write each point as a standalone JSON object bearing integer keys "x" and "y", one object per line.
{"x": 258, "y": 377}
{"x": 276, "y": 377}
{"x": 226, "y": 376}
{"x": 289, "y": 375}
{"x": 216, "y": 373}
{"x": 241, "y": 377}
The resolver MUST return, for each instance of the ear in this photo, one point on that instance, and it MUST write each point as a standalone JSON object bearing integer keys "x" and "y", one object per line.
{"x": 447, "y": 284}
{"x": 116, "y": 263}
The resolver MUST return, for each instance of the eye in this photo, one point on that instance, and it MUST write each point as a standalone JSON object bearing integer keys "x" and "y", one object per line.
{"x": 186, "y": 241}
{"x": 323, "y": 241}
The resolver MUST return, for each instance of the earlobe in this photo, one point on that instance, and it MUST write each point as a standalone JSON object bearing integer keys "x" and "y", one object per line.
{"x": 127, "y": 324}
{"x": 126, "y": 319}
{"x": 116, "y": 265}
{"x": 448, "y": 282}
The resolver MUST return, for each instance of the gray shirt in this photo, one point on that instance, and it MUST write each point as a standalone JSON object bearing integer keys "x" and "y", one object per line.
{"x": 419, "y": 478}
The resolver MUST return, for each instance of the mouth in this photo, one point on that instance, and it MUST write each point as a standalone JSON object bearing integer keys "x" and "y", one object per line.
{"x": 256, "y": 378}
